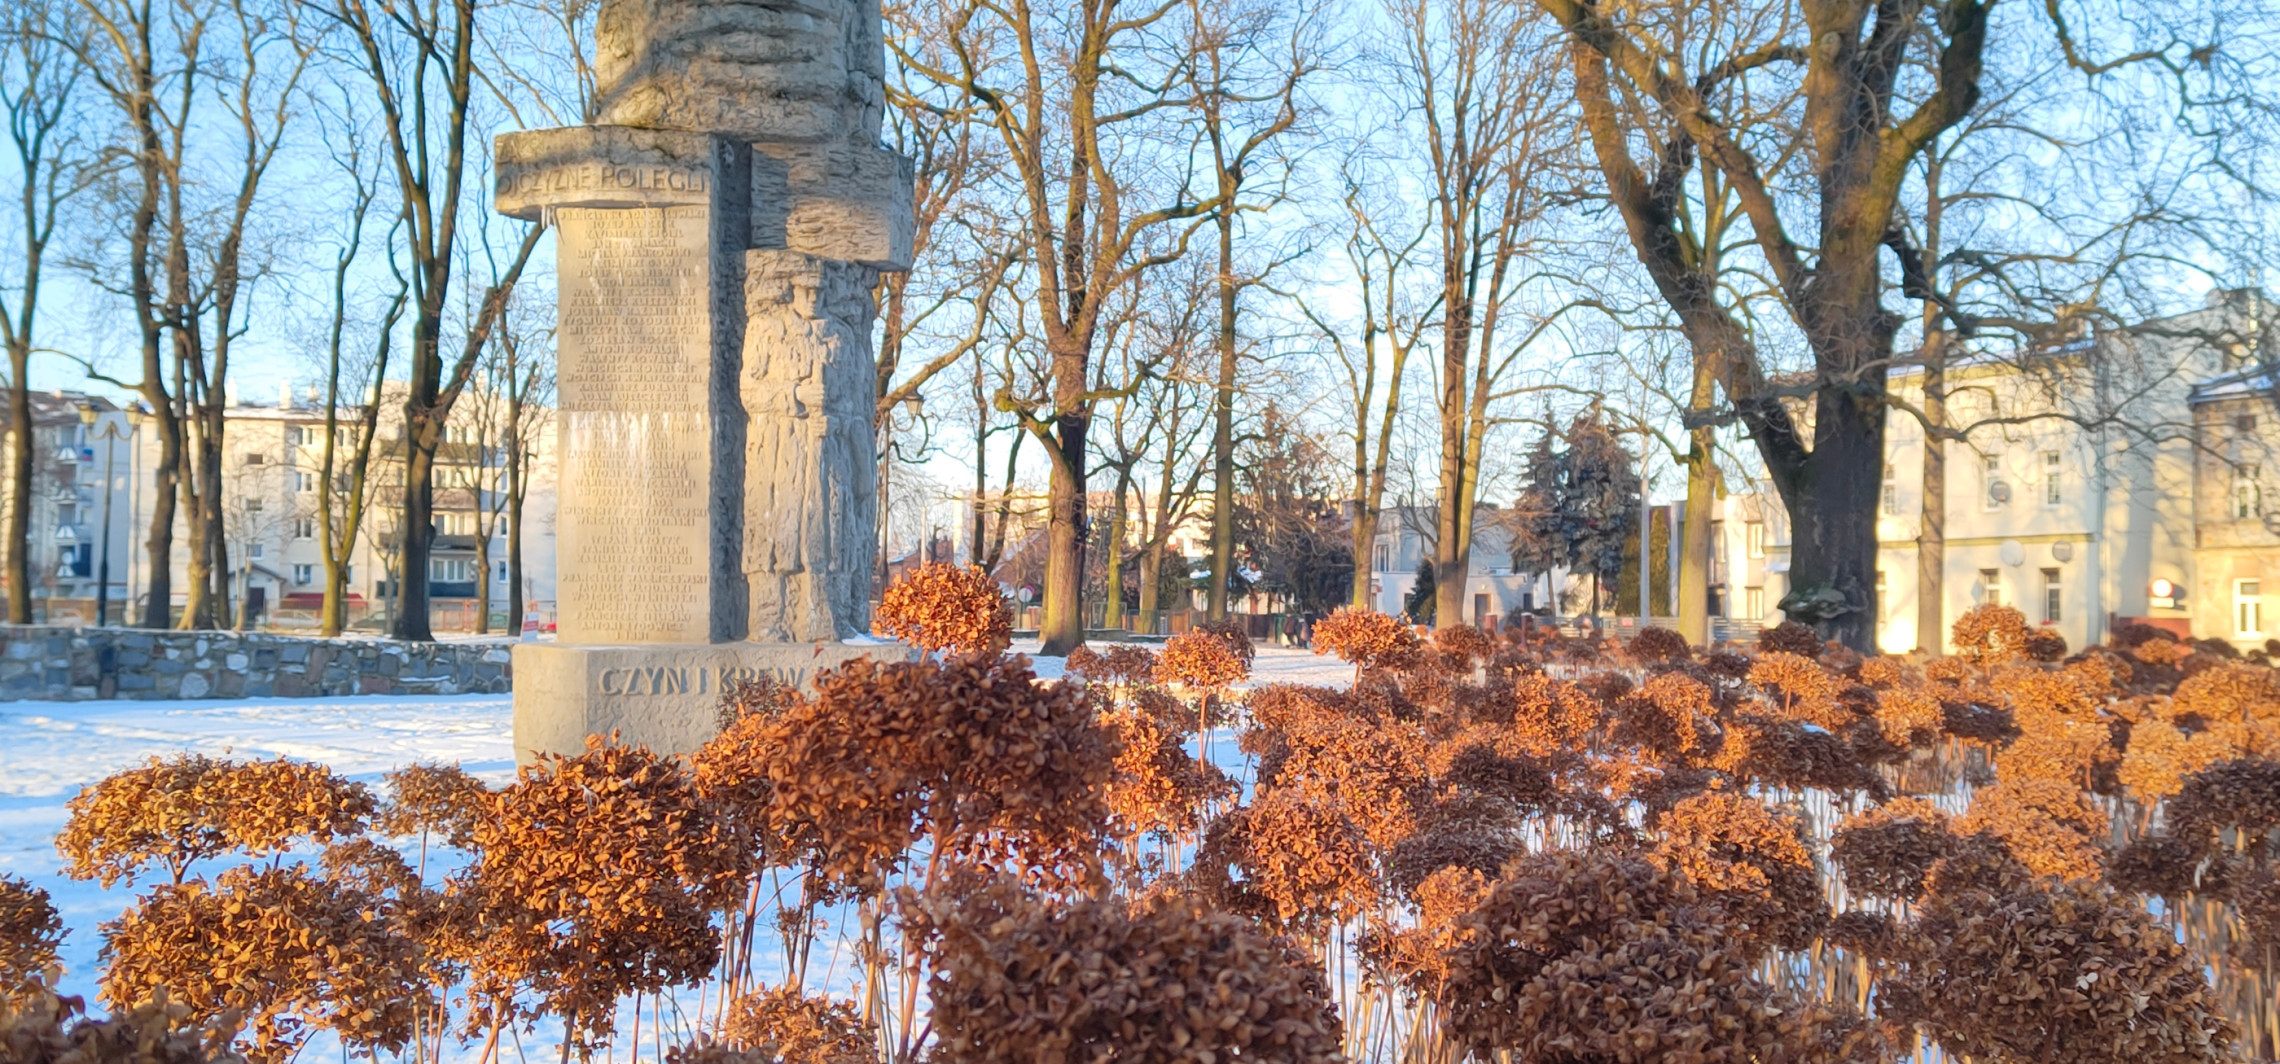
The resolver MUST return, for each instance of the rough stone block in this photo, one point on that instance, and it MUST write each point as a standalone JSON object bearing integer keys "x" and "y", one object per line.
{"x": 665, "y": 697}
{"x": 195, "y": 685}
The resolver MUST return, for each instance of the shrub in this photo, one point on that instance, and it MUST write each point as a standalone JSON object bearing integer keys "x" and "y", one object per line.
{"x": 39, "y": 1026}
{"x": 1660, "y": 645}
{"x": 1790, "y": 637}
{"x": 784, "y": 1026}
{"x": 947, "y": 609}
{"x": 1749, "y": 861}
{"x": 1368, "y": 639}
{"x": 1991, "y": 635}
{"x": 2055, "y": 971}
{"x": 1017, "y": 979}
{"x": 599, "y": 873}
{"x": 277, "y": 949}
{"x": 30, "y": 932}
{"x": 188, "y": 808}
{"x": 1577, "y": 957}
{"x": 1202, "y": 660}
{"x": 972, "y": 753}
{"x": 1888, "y": 851}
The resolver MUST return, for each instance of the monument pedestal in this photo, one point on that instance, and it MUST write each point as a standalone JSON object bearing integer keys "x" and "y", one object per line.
{"x": 720, "y": 229}
{"x": 662, "y": 696}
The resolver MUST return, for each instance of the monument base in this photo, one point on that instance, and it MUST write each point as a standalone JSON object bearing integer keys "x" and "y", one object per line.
{"x": 665, "y": 696}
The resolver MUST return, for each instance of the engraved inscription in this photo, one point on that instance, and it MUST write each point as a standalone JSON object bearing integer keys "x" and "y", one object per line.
{"x": 635, "y": 368}
{"x": 635, "y": 312}
{"x": 602, "y": 177}
{"x": 683, "y": 679}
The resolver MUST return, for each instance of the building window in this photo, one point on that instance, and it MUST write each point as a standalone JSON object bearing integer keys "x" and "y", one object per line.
{"x": 305, "y": 482}
{"x": 2052, "y": 597}
{"x": 255, "y": 458}
{"x": 450, "y": 570}
{"x": 2248, "y": 607}
{"x": 1883, "y": 594}
{"x": 502, "y": 577}
{"x": 1753, "y": 538}
{"x": 304, "y": 528}
{"x": 1891, "y": 490}
{"x": 2246, "y": 423}
{"x": 1383, "y": 559}
{"x": 304, "y": 575}
{"x": 1753, "y": 602}
{"x": 253, "y": 550}
{"x": 2050, "y": 478}
{"x": 295, "y": 435}
{"x": 1997, "y": 492}
{"x": 2248, "y": 497}
{"x": 1991, "y": 587}
{"x": 253, "y": 505}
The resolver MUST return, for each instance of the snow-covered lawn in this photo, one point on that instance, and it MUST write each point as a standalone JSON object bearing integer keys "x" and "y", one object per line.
{"x": 49, "y": 750}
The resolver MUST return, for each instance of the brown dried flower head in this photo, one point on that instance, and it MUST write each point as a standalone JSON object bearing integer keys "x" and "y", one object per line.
{"x": 30, "y": 932}
{"x": 784, "y": 1026}
{"x": 1201, "y": 660}
{"x": 947, "y": 609}
{"x": 187, "y": 808}
{"x": 1016, "y": 979}
{"x": 1367, "y": 638}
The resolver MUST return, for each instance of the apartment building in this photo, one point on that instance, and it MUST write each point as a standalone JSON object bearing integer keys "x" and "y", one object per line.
{"x": 85, "y": 479}
{"x": 273, "y": 488}
{"x": 2109, "y": 480}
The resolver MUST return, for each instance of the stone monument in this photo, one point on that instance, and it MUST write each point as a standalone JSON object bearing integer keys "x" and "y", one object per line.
{"x": 720, "y": 228}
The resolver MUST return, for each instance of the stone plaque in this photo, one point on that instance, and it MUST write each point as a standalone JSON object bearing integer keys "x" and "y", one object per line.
{"x": 639, "y": 365}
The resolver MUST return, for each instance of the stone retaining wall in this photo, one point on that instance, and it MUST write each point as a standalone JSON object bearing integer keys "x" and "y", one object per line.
{"x": 73, "y": 664}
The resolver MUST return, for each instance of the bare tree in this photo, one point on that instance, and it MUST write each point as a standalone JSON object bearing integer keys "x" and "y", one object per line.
{"x": 1250, "y": 61}
{"x": 344, "y": 488}
{"x": 55, "y": 161}
{"x": 1479, "y": 76}
{"x": 419, "y": 59}
{"x": 1380, "y": 249}
{"x": 1084, "y": 100}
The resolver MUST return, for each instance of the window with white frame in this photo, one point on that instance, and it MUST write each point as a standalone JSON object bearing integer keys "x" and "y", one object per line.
{"x": 1753, "y": 538}
{"x": 1883, "y": 596}
{"x": 304, "y": 575}
{"x": 501, "y": 575}
{"x": 253, "y": 550}
{"x": 1995, "y": 491}
{"x": 1891, "y": 490}
{"x": 2248, "y": 607}
{"x": 2053, "y": 481}
{"x": 450, "y": 570}
{"x": 2248, "y": 496}
{"x": 1991, "y": 587}
{"x": 304, "y": 528}
{"x": 296, "y": 435}
{"x": 253, "y": 505}
{"x": 2053, "y": 596}
{"x": 1753, "y": 602}
{"x": 1382, "y": 559}
{"x": 304, "y": 482}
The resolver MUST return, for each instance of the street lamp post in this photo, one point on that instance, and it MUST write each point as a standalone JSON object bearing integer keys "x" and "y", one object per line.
{"x": 110, "y": 435}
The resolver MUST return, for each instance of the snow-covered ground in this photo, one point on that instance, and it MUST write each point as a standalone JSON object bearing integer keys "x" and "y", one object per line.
{"x": 49, "y": 750}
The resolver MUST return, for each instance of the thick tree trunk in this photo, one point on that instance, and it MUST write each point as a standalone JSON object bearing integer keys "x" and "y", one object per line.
{"x": 1694, "y": 538}
{"x": 20, "y": 486}
{"x": 1151, "y": 571}
{"x": 1833, "y": 495}
{"x": 1062, "y": 628}
{"x": 1365, "y": 549}
{"x": 417, "y": 530}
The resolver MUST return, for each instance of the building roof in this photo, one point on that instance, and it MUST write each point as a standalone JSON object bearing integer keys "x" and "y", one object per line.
{"x": 2253, "y": 381}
